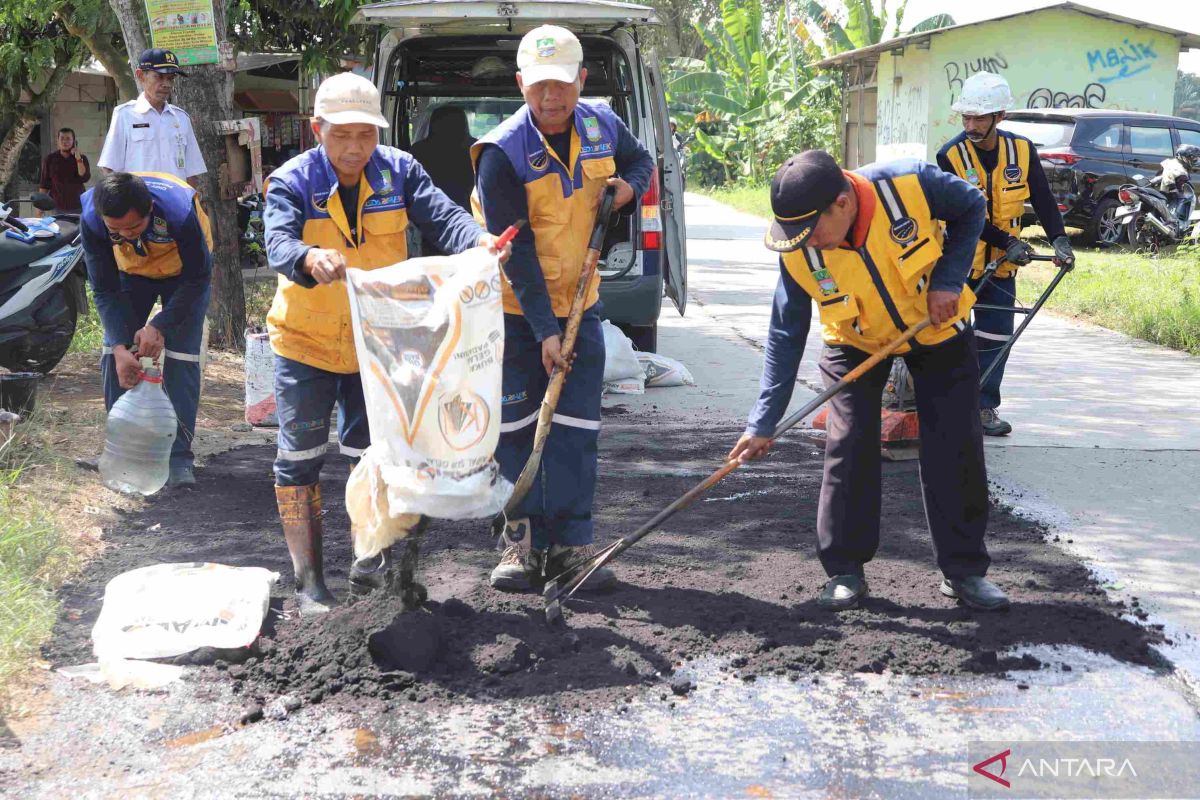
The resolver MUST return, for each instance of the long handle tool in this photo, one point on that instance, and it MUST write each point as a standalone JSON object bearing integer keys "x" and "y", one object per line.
{"x": 555, "y": 592}
{"x": 1029, "y": 313}
{"x": 558, "y": 375}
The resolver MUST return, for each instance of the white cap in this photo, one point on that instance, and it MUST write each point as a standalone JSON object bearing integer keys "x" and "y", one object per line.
{"x": 984, "y": 93}
{"x": 348, "y": 99}
{"x": 549, "y": 53}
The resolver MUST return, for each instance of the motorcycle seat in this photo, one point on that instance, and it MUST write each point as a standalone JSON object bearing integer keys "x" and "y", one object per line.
{"x": 15, "y": 254}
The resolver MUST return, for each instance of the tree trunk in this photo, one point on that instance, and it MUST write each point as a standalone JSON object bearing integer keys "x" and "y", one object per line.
{"x": 206, "y": 94}
{"x": 131, "y": 16}
{"x": 109, "y": 57}
{"x": 26, "y": 118}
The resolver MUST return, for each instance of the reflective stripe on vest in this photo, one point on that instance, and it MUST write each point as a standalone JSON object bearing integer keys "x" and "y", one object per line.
{"x": 562, "y": 198}
{"x": 313, "y": 325}
{"x": 1006, "y": 190}
{"x": 867, "y": 296}
{"x": 155, "y": 254}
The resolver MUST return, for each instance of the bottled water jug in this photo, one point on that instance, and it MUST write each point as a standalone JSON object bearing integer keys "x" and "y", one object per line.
{"x": 138, "y": 438}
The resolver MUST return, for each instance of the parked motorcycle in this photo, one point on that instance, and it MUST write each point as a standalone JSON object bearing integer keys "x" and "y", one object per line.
{"x": 253, "y": 248}
{"x": 1153, "y": 220}
{"x": 42, "y": 282}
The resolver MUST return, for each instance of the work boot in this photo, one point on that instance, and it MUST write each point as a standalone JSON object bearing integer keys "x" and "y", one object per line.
{"x": 565, "y": 561}
{"x": 520, "y": 567}
{"x": 977, "y": 592}
{"x": 183, "y": 475}
{"x": 842, "y": 593}
{"x": 992, "y": 424}
{"x": 377, "y": 572}
{"x": 300, "y": 513}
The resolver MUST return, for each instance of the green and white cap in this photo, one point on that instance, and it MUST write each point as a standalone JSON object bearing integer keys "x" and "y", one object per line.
{"x": 549, "y": 53}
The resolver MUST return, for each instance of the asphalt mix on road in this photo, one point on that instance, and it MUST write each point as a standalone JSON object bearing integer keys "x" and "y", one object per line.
{"x": 734, "y": 576}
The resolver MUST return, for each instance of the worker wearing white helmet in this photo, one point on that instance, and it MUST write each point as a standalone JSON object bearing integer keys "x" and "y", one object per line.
{"x": 1006, "y": 168}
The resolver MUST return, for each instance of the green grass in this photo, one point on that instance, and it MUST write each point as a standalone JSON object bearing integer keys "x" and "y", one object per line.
{"x": 749, "y": 197}
{"x": 36, "y": 556}
{"x": 1157, "y": 299}
{"x": 89, "y": 333}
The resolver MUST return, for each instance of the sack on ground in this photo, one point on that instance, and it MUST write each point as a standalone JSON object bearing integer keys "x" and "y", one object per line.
{"x": 664, "y": 371}
{"x": 620, "y": 359}
{"x": 429, "y": 333}
{"x": 167, "y": 610}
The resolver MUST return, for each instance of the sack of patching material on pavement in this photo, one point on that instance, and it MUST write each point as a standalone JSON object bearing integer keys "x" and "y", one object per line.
{"x": 167, "y": 610}
{"x": 664, "y": 371}
{"x": 429, "y": 333}
{"x": 620, "y": 359}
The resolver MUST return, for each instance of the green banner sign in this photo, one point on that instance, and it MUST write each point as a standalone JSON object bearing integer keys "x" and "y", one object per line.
{"x": 185, "y": 27}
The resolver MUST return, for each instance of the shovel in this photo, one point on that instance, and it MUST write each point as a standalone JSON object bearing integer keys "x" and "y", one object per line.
{"x": 558, "y": 376}
{"x": 556, "y": 592}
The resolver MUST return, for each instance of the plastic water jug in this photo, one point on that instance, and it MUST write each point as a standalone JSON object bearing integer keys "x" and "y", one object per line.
{"x": 138, "y": 438}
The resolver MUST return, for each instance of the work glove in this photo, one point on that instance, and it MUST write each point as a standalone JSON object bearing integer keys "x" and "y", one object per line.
{"x": 1018, "y": 253}
{"x": 1064, "y": 256}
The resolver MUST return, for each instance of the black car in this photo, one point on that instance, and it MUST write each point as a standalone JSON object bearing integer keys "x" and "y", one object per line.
{"x": 1088, "y": 153}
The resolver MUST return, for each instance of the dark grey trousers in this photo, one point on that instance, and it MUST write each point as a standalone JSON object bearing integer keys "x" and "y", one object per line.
{"x": 953, "y": 475}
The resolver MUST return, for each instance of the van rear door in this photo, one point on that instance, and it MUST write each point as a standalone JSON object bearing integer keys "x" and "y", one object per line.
{"x": 452, "y": 17}
{"x": 671, "y": 206}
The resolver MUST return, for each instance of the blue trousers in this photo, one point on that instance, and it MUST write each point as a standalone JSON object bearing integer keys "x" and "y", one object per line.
{"x": 993, "y": 329}
{"x": 180, "y": 359}
{"x": 304, "y": 399}
{"x": 559, "y": 504}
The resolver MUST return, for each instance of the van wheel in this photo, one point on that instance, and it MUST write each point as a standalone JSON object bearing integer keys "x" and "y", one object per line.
{"x": 644, "y": 337}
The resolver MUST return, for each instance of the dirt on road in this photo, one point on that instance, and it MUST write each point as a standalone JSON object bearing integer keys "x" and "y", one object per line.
{"x": 735, "y": 575}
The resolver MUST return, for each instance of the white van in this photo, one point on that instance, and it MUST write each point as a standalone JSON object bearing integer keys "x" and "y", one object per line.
{"x": 435, "y": 54}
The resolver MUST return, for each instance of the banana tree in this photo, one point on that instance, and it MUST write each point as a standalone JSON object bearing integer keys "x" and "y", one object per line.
{"x": 746, "y": 80}
{"x": 856, "y": 23}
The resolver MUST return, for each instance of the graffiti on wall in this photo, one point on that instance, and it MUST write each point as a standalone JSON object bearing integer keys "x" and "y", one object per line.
{"x": 959, "y": 71}
{"x": 1092, "y": 96}
{"x": 903, "y": 117}
{"x": 1120, "y": 62}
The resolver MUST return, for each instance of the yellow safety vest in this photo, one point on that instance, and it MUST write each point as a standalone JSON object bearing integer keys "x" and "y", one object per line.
{"x": 1006, "y": 190}
{"x": 160, "y": 252}
{"x": 313, "y": 325}
{"x": 868, "y": 296}
{"x": 562, "y": 198}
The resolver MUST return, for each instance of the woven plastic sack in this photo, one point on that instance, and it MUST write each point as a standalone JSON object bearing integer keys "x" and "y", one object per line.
{"x": 430, "y": 339}
{"x": 167, "y": 610}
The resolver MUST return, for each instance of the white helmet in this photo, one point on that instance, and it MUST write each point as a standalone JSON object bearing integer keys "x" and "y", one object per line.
{"x": 984, "y": 93}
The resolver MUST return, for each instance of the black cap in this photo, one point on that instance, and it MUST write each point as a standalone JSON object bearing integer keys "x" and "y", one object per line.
{"x": 802, "y": 188}
{"x": 160, "y": 60}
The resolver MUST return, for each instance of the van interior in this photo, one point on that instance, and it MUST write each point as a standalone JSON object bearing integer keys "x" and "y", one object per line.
{"x": 445, "y": 92}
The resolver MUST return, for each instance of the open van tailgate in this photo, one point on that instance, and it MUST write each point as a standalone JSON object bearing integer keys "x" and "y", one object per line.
{"x": 451, "y": 16}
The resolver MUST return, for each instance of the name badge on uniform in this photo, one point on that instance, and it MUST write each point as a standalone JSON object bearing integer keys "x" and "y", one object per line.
{"x": 141, "y": 124}
{"x": 826, "y": 282}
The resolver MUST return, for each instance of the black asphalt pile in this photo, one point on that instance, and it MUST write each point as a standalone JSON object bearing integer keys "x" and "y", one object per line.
{"x": 735, "y": 576}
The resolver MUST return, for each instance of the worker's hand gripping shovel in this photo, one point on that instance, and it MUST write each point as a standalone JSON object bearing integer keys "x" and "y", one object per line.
{"x": 558, "y": 590}
{"x": 559, "y": 376}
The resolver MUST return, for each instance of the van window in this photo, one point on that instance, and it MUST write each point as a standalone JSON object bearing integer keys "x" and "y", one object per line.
{"x": 1188, "y": 136}
{"x": 1150, "y": 141}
